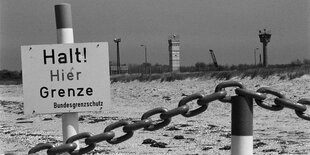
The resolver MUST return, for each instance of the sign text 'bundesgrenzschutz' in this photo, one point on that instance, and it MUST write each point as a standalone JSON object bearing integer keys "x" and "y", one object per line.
{"x": 62, "y": 78}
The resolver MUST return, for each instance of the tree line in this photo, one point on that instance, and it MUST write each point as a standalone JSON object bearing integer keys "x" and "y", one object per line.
{"x": 203, "y": 67}
{"x": 147, "y": 68}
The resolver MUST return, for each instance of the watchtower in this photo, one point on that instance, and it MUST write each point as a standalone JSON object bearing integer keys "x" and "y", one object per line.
{"x": 174, "y": 52}
{"x": 264, "y": 37}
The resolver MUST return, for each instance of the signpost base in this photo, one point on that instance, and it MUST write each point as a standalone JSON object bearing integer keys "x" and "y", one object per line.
{"x": 70, "y": 125}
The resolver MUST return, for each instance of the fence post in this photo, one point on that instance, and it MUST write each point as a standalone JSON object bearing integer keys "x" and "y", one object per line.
{"x": 242, "y": 125}
{"x": 63, "y": 16}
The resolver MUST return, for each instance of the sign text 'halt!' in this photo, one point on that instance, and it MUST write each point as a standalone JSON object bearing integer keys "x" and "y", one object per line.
{"x": 61, "y": 78}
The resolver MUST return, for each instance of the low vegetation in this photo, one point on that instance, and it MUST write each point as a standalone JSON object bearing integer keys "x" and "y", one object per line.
{"x": 201, "y": 70}
{"x": 283, "y": 73}
{"x": 290, "y": 71}
{"x": 10, "y": 77}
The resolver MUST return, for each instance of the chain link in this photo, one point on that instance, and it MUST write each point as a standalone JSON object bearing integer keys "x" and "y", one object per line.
{"x": 174, "y": 112}
{"x": 78, "y": 136}
{"x": 250, "y": 94}
{"x": 195, "y": 112}
{"x": 99, "y": 137}
{"x": 138, "y": 125}
{"x": 159, "y": 125}
{"x": 223, "y": 85}
{"x": 39, "y": 147}
{"x": 212, "y": 97}
{"x": 302, "y": 114}
{"x": 62, "y": 149}
{"x": 290, "y": 104}
{"x": 166, "y": 116}
{"x": 120, "y": 139}
{"x": 267, "y": 90}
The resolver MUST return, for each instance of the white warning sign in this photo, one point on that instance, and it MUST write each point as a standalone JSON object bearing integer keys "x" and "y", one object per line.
{"x": 61, "y": 78}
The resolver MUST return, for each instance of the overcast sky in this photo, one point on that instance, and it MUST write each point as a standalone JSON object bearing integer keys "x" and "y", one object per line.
{"x": 229, "y": 27}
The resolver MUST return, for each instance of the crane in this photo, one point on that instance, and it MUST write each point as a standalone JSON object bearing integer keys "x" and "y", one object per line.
{"x": 214, "y": 58}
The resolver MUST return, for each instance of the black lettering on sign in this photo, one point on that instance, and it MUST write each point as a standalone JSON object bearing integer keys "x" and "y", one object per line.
{"x": 43, "y": 92}
{"x": 89, "y": 91}
{"x": 45, "y": 57}
{"x": 69, "y": 92}
{"x": 63, "y": 57}
{"x": 63, "y": 76}
{"x": 80, "y": 93}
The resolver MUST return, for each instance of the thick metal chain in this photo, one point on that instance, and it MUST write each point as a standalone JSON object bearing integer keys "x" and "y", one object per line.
{"x": 267, "y": 90}
{"x": 302, "y": 114}
{"x": 223, "y": 85}
{"x": 166, "y": 115}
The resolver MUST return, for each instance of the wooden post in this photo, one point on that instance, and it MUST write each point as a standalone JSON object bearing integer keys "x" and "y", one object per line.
{"x": 63, "y": 16}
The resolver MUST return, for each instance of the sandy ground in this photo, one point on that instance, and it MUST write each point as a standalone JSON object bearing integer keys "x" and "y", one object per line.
{"x": 208, "y": 133}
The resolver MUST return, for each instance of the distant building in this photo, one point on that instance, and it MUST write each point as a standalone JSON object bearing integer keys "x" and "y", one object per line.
{"x": 174, "y": 52}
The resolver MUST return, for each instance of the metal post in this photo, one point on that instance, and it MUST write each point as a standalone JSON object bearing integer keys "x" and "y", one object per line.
{"x": 63, "y": 16}
{"x": 242, "y": 126}
{"x": 118, "y": 59}
{"x": 255, "y": 49}
{"x": 118, "y": 63}
{"x": 145, "y": 53}
{"x": 145, "y": 57}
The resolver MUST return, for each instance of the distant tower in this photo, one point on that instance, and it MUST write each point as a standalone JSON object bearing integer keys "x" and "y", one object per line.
{"x": 264, "y": 37}
{"x": 174, "y": 52}
{"x": 118, "y": 63}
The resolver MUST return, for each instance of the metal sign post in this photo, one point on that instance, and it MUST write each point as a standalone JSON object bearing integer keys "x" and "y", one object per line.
{"x": 70, "y": 124}
{"x": 65, "y": 78}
